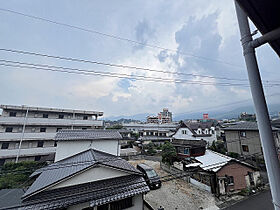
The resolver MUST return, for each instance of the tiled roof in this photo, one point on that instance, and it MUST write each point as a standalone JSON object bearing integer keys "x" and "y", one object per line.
{"x": 253, "y": 126}
{"x": 155, "y": 138}
{"x": 93, "y": 134}
{"x": 96, "y": 193}
{"x": 74, "y": 164}
{"x": 202, "y": 125}
{"x": 10, "y": 198}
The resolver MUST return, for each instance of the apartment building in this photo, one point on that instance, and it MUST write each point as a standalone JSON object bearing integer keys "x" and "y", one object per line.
{"x": 28, "y": 132}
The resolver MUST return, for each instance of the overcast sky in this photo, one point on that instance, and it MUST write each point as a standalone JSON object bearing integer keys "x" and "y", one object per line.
{"x": 197, "y": 29}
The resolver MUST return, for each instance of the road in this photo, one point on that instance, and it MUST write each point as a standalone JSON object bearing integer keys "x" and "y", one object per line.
{"x": 257, "y": 202}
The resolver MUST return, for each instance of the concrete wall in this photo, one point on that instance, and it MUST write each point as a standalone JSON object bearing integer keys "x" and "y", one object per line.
{"x": 234, "y": 142}
{"x": 238, "y": 171}
{"x": 200, "y": 185}
{"x": 68, "y": 148}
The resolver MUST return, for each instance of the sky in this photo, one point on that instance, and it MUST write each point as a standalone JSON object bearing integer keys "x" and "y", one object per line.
{"x": 203, "y": 37}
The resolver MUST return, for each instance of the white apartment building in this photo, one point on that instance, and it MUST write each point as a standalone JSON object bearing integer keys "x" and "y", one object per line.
{"x": 28, "y": 132}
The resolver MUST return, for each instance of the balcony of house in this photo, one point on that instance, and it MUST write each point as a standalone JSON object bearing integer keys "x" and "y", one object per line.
{"x": 49, "y": 122}
{"x": 36, "y": 151}
{"x": 27, "y": 136}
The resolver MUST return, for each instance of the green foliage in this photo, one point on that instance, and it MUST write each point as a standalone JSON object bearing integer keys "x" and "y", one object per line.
{"x": 233, "y": 154}
{"x": 169, "y": 154}
{"x": 14, "y": 175}
{"x": 151, "y": 149}
{"x": 218, "y": 146}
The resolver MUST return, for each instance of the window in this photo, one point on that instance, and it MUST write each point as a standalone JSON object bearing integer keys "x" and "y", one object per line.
{"x": 60, "y": 116}
{"x": 58, "y": 129}
{"x": 33, "y": 129}
{"x": 245, "y": 148}
{"x": 45, "y": 116}
{"x": 40, "y": 144}
{"x": 9, "y": 129}
{"x": 5, "y": 145}
{"x": 242, "y": 133}
{"x": 186, "y": 151}
{"x": 13, "y": 114}
{"x": 84, "y": 128}
{"x": 85, "y": 117}
{"x": 37, "y": 158}
{"x": 55, "y": 144}
{"x": 184, "y": 132}
{"x": 230, "y": 180}
{"x": 43, "y": 129}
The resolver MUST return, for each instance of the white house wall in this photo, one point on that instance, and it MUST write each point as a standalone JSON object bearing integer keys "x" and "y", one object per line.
{"x": 91, "y": 175}
{"x": 179, "y": 134}
{"x": 189, "y": 136}
{"x": 68, "y": 148}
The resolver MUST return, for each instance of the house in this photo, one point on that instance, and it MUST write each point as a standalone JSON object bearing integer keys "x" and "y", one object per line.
{"x": 155, "y": 135}
{"x": 196, "y": 131}
{"x": 138, "y": 127}
{"x": 221, "y": 174}
{"x": 243, "y": 138}
{"x": 27, "y": 132}
{"x": 71, "y": 142}
{"x": 189, "y": 148}
{"x": 89, "y": 180}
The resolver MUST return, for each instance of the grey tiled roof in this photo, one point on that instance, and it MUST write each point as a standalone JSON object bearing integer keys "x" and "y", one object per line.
{"x": 74, "y": 164}
{"x": 10, "y": 198}
{"x": 96, "y": 193}
{"x": 93, "y": 134}
{"x": 253, "y": 126}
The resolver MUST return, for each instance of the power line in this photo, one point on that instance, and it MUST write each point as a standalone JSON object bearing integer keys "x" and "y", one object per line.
{"x": 114, "y": 65}
{"x": 110, "y": 74}
{"x": 122, "y": 65}
{"x": 119, "y": 38}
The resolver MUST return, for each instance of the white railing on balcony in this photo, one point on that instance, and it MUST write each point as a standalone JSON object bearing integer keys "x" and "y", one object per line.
{"x": 27, "y": 136}
{"x": 49, "y": 122}
{"x": 9, "y": 153}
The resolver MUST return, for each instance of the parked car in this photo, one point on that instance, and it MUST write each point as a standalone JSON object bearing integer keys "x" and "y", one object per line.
{"x": 150, "y": 176}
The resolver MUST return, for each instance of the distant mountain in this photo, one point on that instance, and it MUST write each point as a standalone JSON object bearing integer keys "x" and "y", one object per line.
{"x": 226, "y": 113}
{"x": 141, "y": 117}
{"x": 274, "y": 109}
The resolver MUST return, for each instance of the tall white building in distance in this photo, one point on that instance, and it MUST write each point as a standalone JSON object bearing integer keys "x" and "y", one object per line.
{"x": 27, "y": 133}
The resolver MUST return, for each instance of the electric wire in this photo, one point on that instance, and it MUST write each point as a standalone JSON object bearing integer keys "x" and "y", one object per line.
{"x": 119, "y": 38}
{"x": 114, "y": 65}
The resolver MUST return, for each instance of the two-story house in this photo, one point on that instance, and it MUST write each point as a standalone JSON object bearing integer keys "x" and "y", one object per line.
{"x": 243, "y": 138}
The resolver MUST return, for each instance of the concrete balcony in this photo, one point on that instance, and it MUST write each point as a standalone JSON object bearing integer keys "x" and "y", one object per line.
{"x": 11, "y": 153}
{"x": 27, "y": 136}
{"x": 49, "y": 122}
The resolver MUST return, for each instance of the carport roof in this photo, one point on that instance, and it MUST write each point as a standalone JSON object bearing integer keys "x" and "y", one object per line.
{"x": 265, "y": 15}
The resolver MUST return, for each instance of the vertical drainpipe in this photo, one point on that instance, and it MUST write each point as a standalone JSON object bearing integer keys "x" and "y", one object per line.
{"x": 267, "y": 140}
{"x": 22, "y": 134}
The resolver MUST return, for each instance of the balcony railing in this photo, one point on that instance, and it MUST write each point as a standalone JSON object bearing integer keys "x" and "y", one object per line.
{"x": 27, "y": 136}
{"x": 49, "y": 122}
{"x": 9, "y": 153}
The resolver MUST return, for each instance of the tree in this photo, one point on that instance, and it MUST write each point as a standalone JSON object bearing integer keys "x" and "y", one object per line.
{"x": 168, "y": 153}
{"x": 151, "y": 149}
{"x": 14, "y": 175}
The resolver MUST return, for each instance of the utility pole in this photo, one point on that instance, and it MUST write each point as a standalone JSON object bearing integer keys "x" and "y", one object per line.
{"x": 22, "y": 134}
{"x": 267, "y": 140}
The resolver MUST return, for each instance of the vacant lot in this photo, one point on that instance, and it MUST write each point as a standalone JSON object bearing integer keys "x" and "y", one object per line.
{"x": 177, "y": 194}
